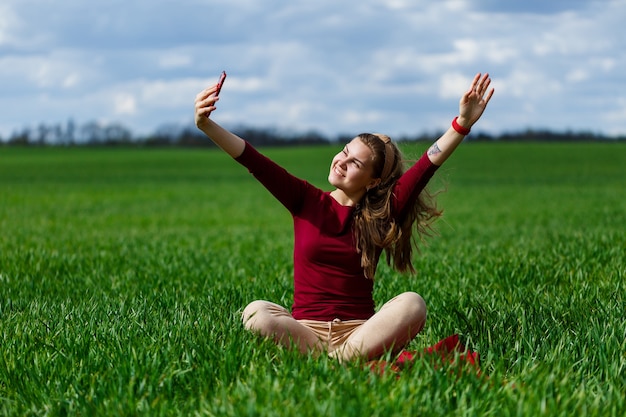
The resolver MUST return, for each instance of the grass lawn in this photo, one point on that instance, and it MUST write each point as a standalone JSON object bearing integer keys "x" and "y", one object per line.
{"x": 123, "y": 273}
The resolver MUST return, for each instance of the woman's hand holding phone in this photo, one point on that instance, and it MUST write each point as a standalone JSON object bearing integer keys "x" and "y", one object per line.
{"x": 205, "y": 100}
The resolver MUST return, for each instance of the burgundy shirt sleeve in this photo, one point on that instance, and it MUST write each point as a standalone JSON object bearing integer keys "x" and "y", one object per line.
{"x": 287, "y": 188}
{"x": 411, "y": 183}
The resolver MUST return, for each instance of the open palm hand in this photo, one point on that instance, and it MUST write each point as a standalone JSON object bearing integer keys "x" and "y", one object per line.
{"x": 475, "y": 100}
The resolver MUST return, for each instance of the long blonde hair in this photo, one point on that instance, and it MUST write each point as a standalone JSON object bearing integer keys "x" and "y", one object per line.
{"x": 375, "y": 228}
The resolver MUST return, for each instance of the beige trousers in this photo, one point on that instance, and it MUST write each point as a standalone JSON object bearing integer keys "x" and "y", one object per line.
{"x": 396, "y": 323}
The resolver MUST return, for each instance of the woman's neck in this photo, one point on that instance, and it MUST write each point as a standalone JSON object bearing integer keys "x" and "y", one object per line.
{"x": 344, "y": 199}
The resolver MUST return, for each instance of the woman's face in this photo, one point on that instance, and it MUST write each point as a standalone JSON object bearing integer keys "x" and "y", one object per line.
{"x": 352, "y": 169}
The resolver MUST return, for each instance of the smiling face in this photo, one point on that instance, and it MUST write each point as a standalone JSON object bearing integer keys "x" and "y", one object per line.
{"x": 351, "y": 171}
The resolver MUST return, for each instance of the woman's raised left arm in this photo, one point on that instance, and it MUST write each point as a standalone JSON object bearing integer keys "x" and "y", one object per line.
{"x": 471, "y": 107}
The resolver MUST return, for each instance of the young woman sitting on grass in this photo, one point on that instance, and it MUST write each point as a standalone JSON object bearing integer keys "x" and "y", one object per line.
{"x": 376, "y": 206}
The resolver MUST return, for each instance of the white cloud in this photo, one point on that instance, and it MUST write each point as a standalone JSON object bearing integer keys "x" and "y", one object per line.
{"x": 355, "y": 119}
{"x": 173, "y": 59}
{"x": 47, "y": 72}
{"x": 453, "y": 84}
{"x": 8, "y": 21}
{"x": 577, "y": 75}
{"x": 528, "y": 84}
{"x": 125, "y": 103}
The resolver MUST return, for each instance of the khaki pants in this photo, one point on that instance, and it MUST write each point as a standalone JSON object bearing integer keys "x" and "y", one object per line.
{"x": 390, "y": 329}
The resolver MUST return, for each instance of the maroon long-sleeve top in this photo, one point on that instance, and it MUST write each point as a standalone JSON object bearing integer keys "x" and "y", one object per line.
{"x": 329, "y": 281}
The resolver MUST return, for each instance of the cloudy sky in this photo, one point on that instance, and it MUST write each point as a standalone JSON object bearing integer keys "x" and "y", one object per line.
{"x": 338, "y": 67}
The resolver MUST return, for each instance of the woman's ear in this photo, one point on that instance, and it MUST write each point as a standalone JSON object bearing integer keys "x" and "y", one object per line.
{"x": 373, "y": 183}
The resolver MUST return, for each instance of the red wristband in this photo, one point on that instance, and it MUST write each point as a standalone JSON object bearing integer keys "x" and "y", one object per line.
{"x": 460, "y": 129}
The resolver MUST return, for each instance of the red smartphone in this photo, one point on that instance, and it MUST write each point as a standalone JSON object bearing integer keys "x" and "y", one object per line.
{"x": 220, "y": 83}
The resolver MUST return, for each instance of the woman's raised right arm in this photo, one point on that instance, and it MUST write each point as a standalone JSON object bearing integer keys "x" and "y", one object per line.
{"x": 205, "y": 104}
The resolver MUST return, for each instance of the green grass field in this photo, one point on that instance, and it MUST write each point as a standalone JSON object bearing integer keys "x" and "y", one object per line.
{"x": 123, "y": 273}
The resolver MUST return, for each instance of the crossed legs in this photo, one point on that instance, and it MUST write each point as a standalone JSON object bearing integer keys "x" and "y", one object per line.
{"x": 396, "y": 323}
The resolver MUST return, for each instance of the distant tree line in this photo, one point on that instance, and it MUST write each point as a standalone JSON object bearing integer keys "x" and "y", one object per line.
{"x": 115, "y": 134}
